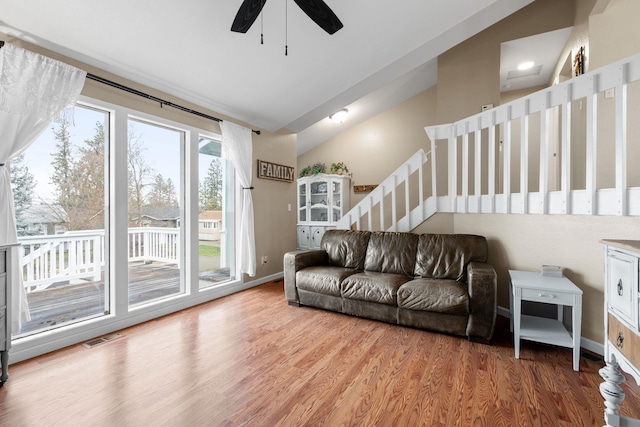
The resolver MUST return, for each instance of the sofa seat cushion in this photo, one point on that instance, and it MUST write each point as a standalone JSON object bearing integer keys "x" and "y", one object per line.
{"x": 435, "y": 295}
{"x": 373, "y": 287}
{"x": 323, "y": 279}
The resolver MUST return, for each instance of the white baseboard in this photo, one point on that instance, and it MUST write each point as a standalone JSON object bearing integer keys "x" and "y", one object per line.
{"x": 587, "y": 344}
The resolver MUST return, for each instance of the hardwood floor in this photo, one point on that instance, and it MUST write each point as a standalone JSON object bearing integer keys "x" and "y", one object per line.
{"x": 250, "y": 359}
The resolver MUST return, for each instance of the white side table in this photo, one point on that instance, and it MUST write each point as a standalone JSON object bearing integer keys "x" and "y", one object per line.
{"x": 533, "y": 286}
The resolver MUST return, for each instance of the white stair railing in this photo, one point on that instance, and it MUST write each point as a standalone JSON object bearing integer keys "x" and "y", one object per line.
{"x": 567, "y": 149}
{"x": 400, "y": 202}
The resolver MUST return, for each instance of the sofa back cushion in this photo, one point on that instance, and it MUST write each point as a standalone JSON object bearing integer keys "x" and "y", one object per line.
{"x": 345, "y": 248}
{"x": 390, "y": 252}
{"x": 445, "y": 256}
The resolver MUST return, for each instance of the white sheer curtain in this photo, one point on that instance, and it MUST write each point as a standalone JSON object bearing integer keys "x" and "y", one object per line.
{"x": 237, "y": 147}
{"x": 34, "y": 89}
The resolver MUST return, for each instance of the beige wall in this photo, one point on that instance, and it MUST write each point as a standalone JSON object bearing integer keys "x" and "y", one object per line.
{"x": 525, "y": 242}
{"x": 613, "y": 34}
{"x": 469, "y": 74}
{"x": 373, "y": 149}
{"x": 274, "y": 224}
{"x": 468, "y": 78}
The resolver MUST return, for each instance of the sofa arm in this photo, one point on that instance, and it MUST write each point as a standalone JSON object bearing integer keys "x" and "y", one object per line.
{"x": 295, "y": 261}
{"x": 483, "y": 284}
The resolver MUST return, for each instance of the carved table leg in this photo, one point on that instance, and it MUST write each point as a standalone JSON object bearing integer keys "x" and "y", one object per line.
{"x": 611, "y": 391}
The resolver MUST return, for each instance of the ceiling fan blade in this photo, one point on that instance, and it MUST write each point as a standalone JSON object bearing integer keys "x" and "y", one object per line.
{"x": 321, "y": 14}
{"x": 247, "y": 14}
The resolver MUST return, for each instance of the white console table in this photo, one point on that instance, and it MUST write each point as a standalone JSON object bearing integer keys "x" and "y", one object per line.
{"x": 533, "y": 286}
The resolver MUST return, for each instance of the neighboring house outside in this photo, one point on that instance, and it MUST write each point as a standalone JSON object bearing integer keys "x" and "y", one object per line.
{"x": 209, "y": 225}
{"x": 42, "y": 220}
{"x": 159, "y": 217}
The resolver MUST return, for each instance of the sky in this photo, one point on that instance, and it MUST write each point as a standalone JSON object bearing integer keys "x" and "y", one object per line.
{"x": 162, "y": 151}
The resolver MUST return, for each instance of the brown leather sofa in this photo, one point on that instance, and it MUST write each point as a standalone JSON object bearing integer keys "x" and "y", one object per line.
{"x": 439, "y": 282}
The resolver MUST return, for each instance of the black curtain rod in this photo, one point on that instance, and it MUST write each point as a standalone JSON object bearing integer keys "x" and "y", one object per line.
{"x": 162, "y": 102}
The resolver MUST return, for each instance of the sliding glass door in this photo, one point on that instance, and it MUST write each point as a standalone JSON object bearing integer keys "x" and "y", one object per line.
{"x": 60, "y": 188}
{"x": 215, "y": 215}
{"x": 122, "y": 217}
{"x": 155, "y": 172}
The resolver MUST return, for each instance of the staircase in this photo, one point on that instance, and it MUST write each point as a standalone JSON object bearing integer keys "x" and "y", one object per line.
{"x": 572, "y": 149}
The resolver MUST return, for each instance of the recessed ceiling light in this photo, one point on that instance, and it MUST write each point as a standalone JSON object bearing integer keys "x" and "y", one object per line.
{"x": 339, "y": 116}
{"x": 525, "y": 65}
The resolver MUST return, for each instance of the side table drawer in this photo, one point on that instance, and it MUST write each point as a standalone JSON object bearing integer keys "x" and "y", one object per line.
{"x": 624, "y": 339}
{"x": 552, "y": 297}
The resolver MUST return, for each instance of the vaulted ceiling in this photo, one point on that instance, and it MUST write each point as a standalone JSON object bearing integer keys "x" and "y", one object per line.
{"x": 385, "y": 53}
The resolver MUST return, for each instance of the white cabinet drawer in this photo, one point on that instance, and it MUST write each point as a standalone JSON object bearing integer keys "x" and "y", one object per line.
{"x": 622, "y": 283}
{"x": 552, "y": 297}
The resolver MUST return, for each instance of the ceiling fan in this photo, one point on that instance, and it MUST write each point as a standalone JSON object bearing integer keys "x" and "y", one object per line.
{"x": 317, "y": 10}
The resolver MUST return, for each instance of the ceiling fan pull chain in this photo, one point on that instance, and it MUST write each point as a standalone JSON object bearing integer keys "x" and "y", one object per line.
{"x": 262, "y": 23}
{"x": 286, "y": 28}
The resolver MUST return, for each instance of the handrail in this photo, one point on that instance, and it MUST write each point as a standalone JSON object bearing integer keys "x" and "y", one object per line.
{"x": 561, "y": 150}
{"x": 398, "y": 187}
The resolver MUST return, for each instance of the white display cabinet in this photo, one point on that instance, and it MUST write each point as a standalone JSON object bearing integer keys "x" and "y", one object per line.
{"x": 322, "y": 200}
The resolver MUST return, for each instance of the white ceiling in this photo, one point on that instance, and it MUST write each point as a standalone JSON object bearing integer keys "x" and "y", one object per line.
{"x": 385, "y": 53}
{"x": 543, "y": 50}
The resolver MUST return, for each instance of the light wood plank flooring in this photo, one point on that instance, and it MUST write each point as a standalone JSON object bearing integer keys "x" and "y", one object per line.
{"x": 249, "y": 359}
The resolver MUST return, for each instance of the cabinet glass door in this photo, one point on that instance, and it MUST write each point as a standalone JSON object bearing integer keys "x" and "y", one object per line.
{"x": 319, "y": 200}
{"x": 302, "y": 203}
{"x": 336, "y": 208}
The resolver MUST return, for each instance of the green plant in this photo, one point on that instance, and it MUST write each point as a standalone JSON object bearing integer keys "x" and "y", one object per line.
{"x": 312, "y": 170}
{"x": 339, "y": 168}
{"x": 318, "y": 168}
{"x": 306, "y": 171}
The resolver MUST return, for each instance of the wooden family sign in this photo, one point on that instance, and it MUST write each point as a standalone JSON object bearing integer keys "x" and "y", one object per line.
{"x": 275, "y": 171}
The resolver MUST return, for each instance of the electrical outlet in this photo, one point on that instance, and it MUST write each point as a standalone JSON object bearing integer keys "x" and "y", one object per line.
{"x": 609, "y": 93}
{"x": 264, "y": 259}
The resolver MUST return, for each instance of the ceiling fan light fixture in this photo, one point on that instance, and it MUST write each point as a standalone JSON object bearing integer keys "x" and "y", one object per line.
{"x": 339, "y": 116}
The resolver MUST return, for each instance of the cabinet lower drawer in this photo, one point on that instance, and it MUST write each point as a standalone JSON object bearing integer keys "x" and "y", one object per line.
{"x": 625, "y": 340}
{"x": 551, "y": 297}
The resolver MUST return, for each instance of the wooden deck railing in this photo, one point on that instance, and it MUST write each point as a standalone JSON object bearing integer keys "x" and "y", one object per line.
{"x": 571, "y": 148}
{"x": 47, "y": 260}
